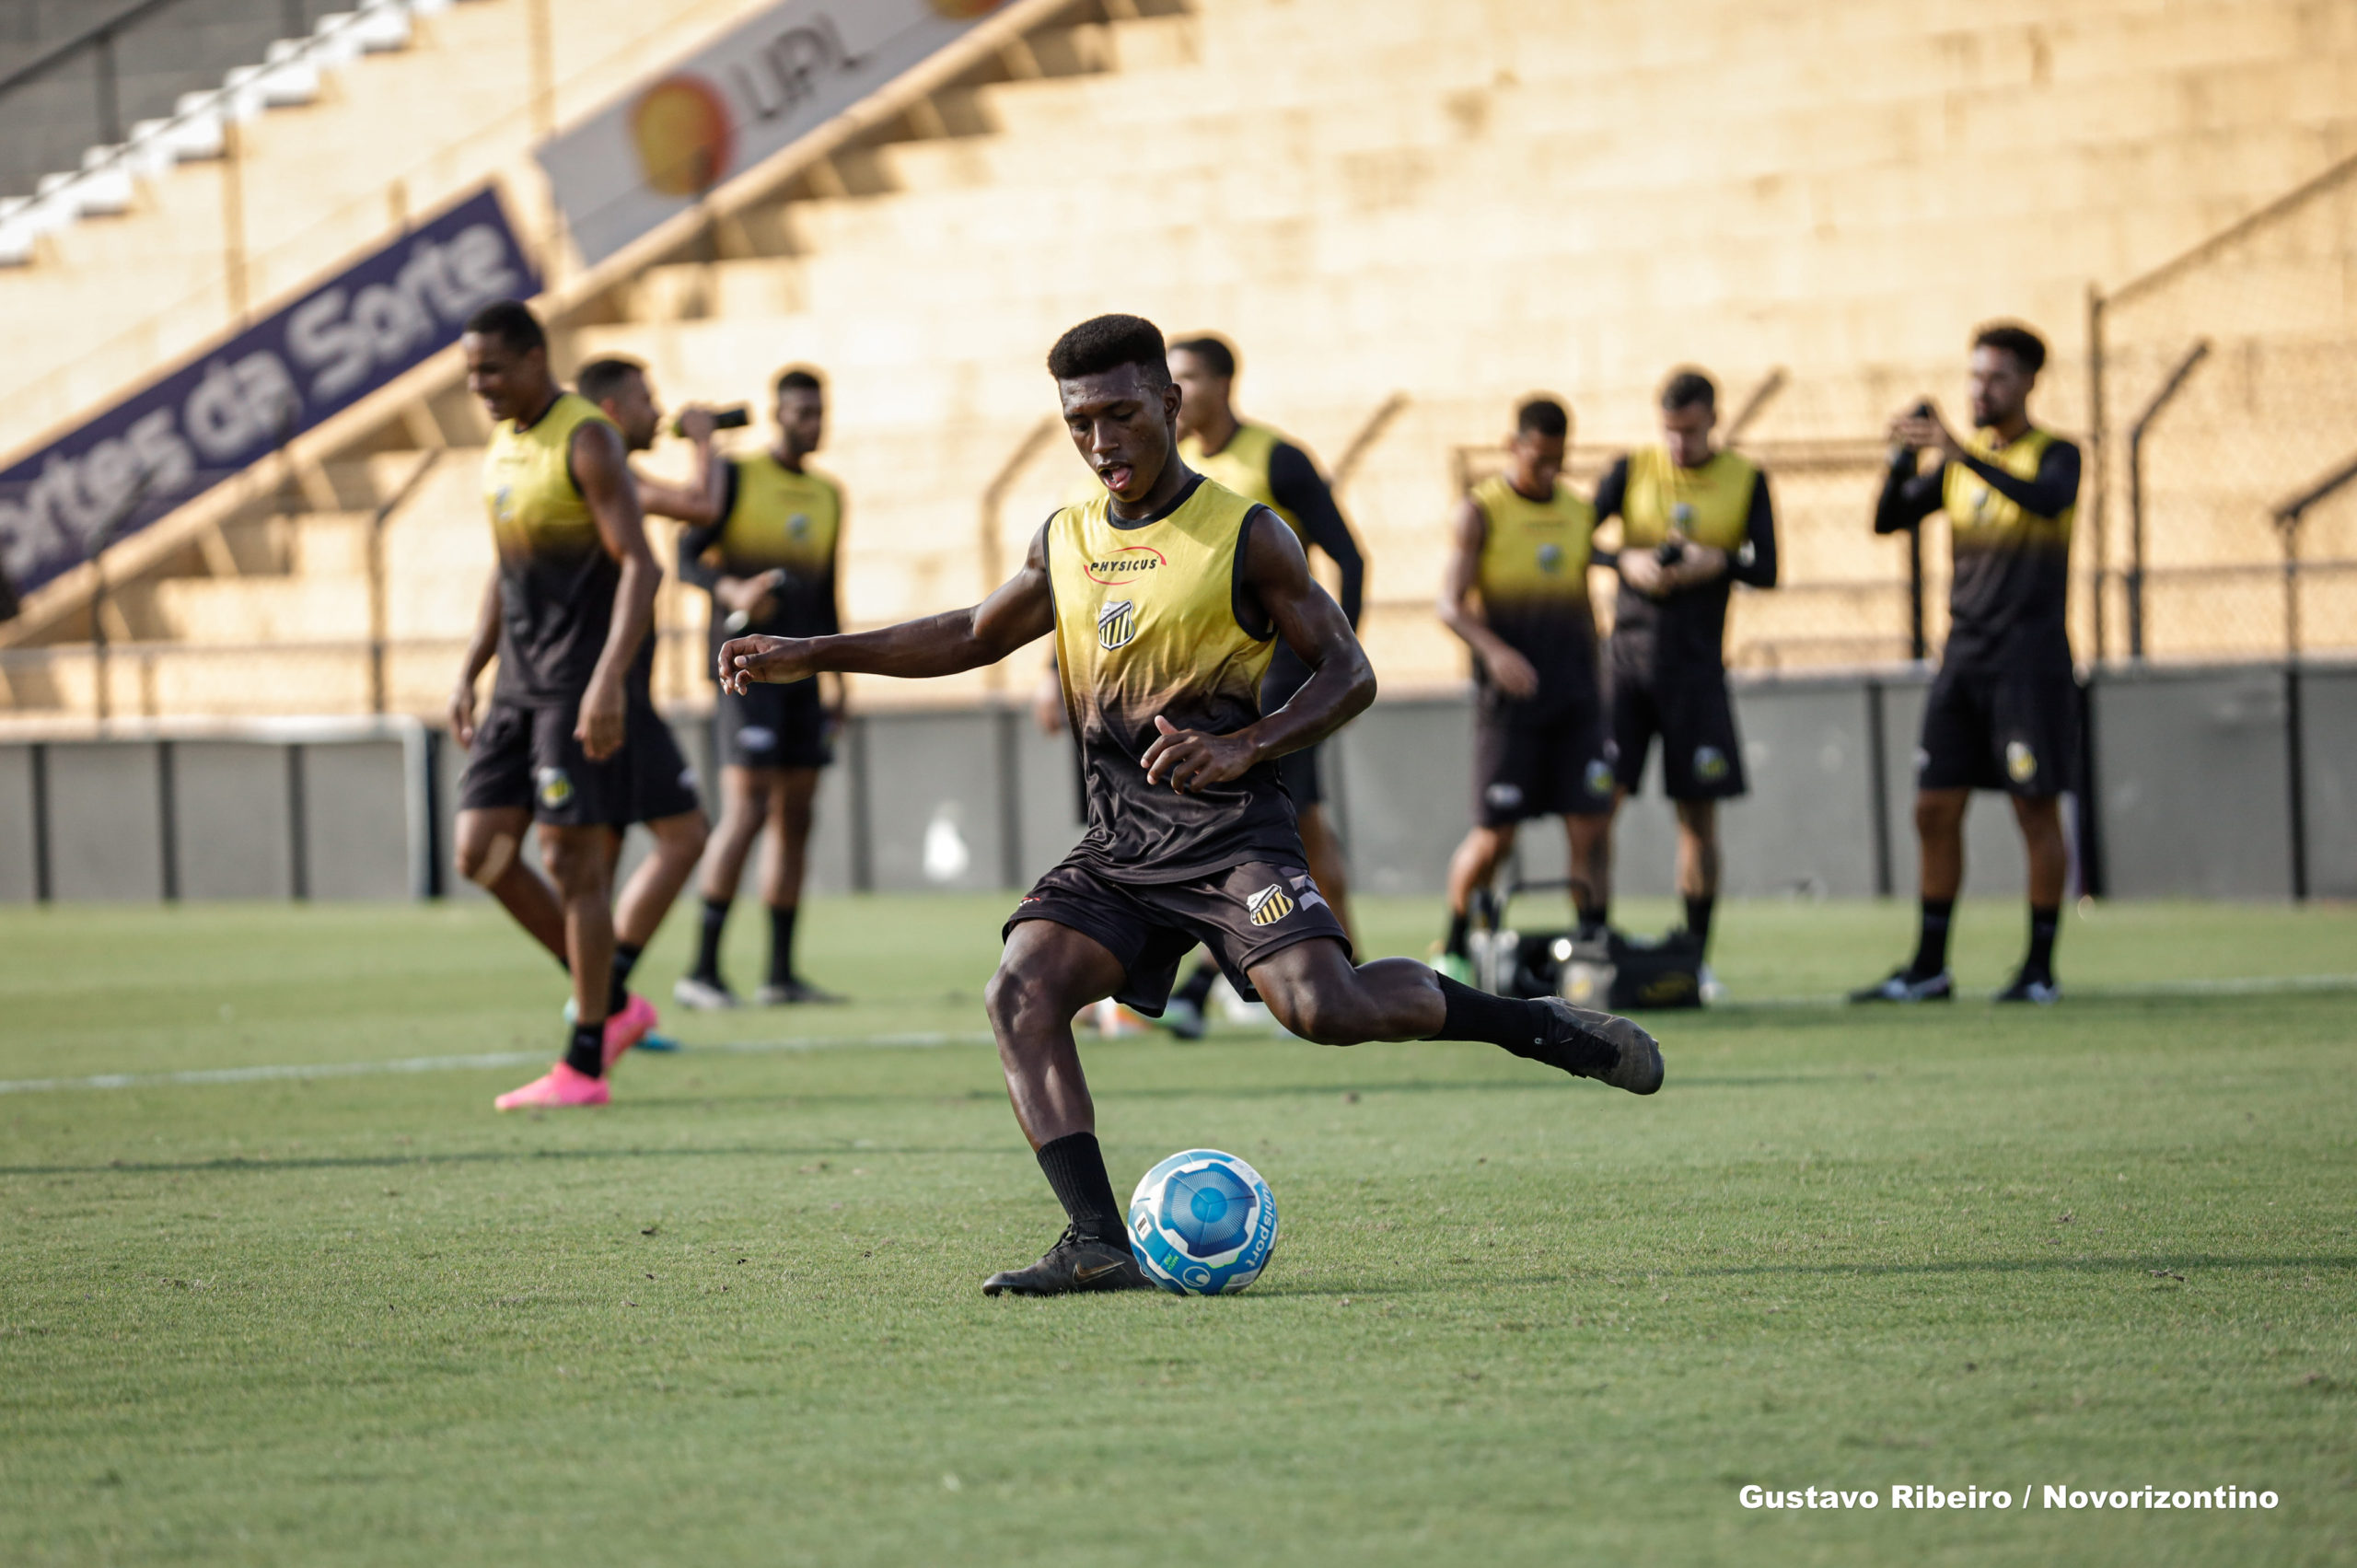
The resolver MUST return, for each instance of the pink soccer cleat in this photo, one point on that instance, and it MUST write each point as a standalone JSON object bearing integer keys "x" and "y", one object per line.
{"x": 627, "y": 1027}
{"x": 560, "y": 1087}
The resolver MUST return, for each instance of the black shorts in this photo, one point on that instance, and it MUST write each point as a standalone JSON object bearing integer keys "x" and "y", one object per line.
{"x": 1243, "y": 915}
{"x": 1551, "y": 767}
{"x": 1303, "y": 779}
{"x": 1701, "y": 755}
{"x": 772, "y": 726}
{"x": 2013, "y": 730}
{"x": 527, "y": 758}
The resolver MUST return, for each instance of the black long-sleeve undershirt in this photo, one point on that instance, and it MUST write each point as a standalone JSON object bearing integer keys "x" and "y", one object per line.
{"x": 1910, "y": 497}
{"x": 2009, "y": 594}
{"x": 1296, "y": 486}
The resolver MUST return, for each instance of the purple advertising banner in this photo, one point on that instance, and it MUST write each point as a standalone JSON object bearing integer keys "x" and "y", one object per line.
{"x": 237, "y": 402}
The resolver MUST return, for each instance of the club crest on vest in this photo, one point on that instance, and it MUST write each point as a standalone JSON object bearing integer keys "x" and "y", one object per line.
{"x": 1117, "y": 624}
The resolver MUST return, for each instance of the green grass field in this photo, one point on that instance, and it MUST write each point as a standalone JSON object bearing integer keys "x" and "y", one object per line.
{"x": 357, "y": 1318}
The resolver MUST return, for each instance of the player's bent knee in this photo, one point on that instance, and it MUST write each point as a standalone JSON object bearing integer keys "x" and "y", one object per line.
{"x": 483, "y": 864}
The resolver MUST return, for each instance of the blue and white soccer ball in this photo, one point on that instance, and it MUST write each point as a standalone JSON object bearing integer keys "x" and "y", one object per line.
{"x": 1202, "y": 1223}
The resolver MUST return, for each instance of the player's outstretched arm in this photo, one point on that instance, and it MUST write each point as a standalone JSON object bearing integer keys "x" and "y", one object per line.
{"x": 1341, "y": 684}
{"x": 1468, "y": 531}
{"x": 1021, "y": 611}
{"x": 602, "y": 469}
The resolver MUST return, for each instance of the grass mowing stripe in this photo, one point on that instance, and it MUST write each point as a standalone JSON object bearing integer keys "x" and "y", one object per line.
{"x": 460, "y": 1063}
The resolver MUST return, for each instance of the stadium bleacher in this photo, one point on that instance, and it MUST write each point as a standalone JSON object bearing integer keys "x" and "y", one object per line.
{"x": 1453, "y": 203}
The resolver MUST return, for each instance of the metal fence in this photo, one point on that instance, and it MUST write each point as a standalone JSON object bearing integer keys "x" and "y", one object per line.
{"x": 2223, "y": 394}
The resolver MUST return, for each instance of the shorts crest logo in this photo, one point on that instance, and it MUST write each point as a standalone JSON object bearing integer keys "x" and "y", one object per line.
{"x": 1268, "y": 905}
{"x": 1709, "y": 763}
{"x": 2021, "y": 762}
{"x": 1599, "y": 777}
{"x": 1117, "y": 624}
{"x": 556, "y": 787}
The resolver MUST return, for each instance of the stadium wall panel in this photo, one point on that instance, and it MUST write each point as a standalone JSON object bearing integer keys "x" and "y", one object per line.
{"x": 106, "y": 836}
{"x": 231, "y": 808}
{"x": 2193, "y": 783}
{"x": 18, "y": 848}
{"x": 2328, "y": 749}
{"x": 356, "y": 820}
{"x": 933, "y": 776}
{"x": 1049, "y": 810}
{"x": 1807, "y": 827}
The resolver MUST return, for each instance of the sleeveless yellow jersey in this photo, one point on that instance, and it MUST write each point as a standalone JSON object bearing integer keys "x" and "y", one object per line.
{"x": 1710, "y": 504}
{"x": 1533, "y": 580}
{"x": 1243, "y": 466}
{"x": 779, "y": 519}
{"x": 1150, "y": 621}
{"x": 2009, "y": 598}
{"x": 556, "y": 579}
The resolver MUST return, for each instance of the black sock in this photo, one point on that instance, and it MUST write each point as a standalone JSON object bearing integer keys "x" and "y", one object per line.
{"x": 1074, "y": 1166}
{"x": 1931, "y": 943}
{"x": 586, "y": 1053}
{"x": 2039, "y": 965}
{"x": 1458, "y": 923}
{"x": 1698, "y": 917}
{"x": 618, "y": 990}
{"x": 715, "y": 916}
{"x": 782, "y": 944}
{"x": 1593, "y": 917}
{"x": 1507, "y": 1022}
{"x": 1198, "y": 988}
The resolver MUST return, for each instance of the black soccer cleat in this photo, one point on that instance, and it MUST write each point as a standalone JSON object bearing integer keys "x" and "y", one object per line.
{"x": 1904, "y": 986}
{"x": 1074, "y": 1264}
{"x": 1603, "y": 1045}
{"x": 2040, "y": 989}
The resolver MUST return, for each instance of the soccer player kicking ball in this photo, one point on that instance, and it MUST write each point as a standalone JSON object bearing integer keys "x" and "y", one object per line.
{"x": 1167, "y": 597}
{"x": 2004, "y": 712}
{"x": 572, "y": 740}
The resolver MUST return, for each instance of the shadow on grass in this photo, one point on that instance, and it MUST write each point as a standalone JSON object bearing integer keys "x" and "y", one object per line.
{"x": 249, "y": 1164}
{"x": 2082, "y": 1264}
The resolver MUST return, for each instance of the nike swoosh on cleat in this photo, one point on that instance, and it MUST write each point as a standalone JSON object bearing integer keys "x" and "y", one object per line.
{"x": 1085, "y": 1275}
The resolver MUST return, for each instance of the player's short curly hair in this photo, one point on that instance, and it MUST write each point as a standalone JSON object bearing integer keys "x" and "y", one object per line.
{"x": 512, "y": 322}
{"x": 2026, "y": 347}
{"x": 798, "y": 379}
{"x": 1541, "y": 416}
{"x": 1689, "y": 388}
{"x": 603, "y": 378}
{"x": 1107, "y": 343}
{"x": 1217, "y": 352}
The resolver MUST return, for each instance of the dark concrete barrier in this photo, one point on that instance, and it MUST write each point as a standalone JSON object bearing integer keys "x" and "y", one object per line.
{"x": 2194, "y": 796}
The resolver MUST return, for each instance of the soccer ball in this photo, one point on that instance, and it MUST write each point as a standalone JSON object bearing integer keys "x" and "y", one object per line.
{"x": 1202, "y": 1223}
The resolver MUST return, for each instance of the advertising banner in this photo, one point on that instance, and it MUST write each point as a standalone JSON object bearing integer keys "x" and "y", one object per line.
{"x": 237, "y": 402}
{"x": 742, "y": 98}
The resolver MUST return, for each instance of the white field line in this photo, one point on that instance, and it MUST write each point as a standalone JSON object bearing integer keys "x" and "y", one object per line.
{"x": 2255, "y": 985}
{"x": 455, "y": 1063}
{"x": 2243, "y": 987}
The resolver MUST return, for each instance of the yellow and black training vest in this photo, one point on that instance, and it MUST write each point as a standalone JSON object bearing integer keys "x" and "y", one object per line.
{"x": 1152, "y": 619}
{"x": 1243, "y": 466}
{"x": 1710, "y": 504}
{"x": 556, "y": 579}
{"x": 2009, "y": 599}
{"x": 779, "y": 519}
{"x": 1533, "y": 580}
